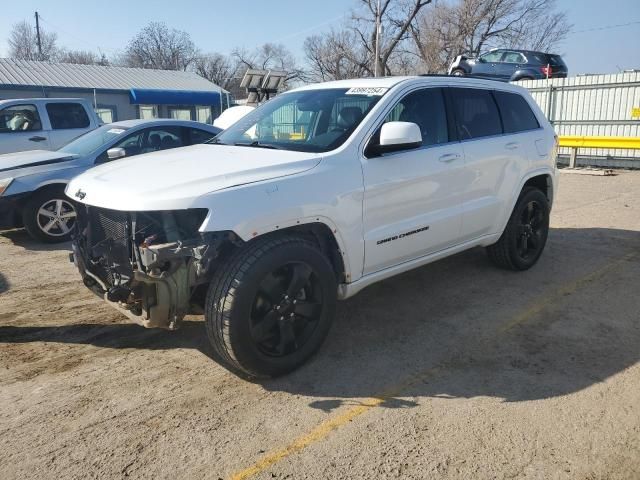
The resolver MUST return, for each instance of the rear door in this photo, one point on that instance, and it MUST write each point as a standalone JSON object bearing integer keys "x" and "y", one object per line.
{"x": 68, "y": 120}
{"x": 494, "y": 161}
{"x": 21, "y": 129}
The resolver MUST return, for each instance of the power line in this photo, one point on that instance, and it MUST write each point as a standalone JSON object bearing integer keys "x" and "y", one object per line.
{"x": 84, "y": 42}
{"x": 606, "y": 27}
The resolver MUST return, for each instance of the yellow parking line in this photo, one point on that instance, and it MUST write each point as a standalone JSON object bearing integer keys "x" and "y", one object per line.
{"x": 325, "y": 428}
{"x": 318, "y": 433}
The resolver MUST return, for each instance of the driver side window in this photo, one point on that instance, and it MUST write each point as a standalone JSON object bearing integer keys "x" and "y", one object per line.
{"x": 426, "y": 109}
{"x": 131, "y": 144}
{"x": 492, "y": 56}
{"x": 19, "y": 118}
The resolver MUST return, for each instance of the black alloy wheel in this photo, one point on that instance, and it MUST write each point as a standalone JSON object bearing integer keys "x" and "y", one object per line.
{"x": 530, "y": 231}
{"x": 270, "y": 305}
{"x": 286, "y": 309}
{"x": 525, "y": 236}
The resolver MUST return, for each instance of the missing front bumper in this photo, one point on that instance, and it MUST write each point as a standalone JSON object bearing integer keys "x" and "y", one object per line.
{"x": 152, "y": 284}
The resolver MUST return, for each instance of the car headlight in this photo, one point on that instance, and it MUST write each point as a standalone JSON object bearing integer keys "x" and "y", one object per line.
{"x": 4, "y": 184}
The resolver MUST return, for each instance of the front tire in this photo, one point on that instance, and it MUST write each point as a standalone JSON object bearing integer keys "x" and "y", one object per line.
{"x": 525, "y": 235}
{"x": 270, "y": 306}
{"x": 458, "y": 72}
{"x": 49, "y": 216}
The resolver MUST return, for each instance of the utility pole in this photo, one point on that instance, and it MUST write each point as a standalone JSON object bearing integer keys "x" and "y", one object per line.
{"x": 377, "y": 46}
{"x": 38, "y": 37}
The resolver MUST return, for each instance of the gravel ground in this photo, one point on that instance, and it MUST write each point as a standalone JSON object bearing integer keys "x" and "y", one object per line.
{"x": 453, "y": 371}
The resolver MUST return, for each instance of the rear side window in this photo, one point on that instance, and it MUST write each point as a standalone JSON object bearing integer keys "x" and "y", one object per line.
{"x": 516, "y": 113}
{"x": 67, "y": 115}
{"x": 476, "y": 113}
{"x": 555, "y": 61}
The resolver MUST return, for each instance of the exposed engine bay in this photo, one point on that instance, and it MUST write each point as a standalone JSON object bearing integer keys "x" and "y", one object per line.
{"x": 148, "y": 265}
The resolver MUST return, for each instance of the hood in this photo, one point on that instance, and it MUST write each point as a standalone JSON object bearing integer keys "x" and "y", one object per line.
{"x": 31, "y": 158}
{"x": 175, "y": 179}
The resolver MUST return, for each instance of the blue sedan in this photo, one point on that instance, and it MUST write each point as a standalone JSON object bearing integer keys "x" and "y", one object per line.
{"x": 32, "y": 183}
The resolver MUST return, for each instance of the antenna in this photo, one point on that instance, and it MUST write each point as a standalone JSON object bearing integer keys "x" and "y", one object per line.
{"x": 261, "y": 84}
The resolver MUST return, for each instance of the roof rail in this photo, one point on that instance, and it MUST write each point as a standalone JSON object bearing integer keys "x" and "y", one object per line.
{"x": 466, "y": 77}
{"x": 434, "y": 75}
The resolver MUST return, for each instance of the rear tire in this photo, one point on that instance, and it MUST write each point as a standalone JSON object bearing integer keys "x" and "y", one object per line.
{"x": 49, "y": 215}
{"x": 525, "y": 235}
{"x": 458, "y": 72}
{"x": 270, "y": 306}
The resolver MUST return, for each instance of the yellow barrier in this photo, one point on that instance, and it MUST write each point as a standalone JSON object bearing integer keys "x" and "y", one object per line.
{"x": 575, "y": 142}
{"x": 600, "y": 142}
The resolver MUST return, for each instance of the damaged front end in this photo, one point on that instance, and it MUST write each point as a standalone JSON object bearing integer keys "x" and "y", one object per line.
{"x": 151, "y": 266}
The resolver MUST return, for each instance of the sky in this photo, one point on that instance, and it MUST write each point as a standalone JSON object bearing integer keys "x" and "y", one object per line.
{"x": 222, "y": 25}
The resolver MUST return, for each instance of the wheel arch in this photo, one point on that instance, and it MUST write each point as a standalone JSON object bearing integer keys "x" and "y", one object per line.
{"x": 543, "y": 179}
{"x": 49, "y": 185}
{"x": 318, "y": 229}
{"x": 543, "y": 182}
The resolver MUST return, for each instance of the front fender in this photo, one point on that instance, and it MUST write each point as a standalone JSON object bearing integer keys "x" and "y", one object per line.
{"x": 265, "y": 207}
{"x": 35, "y": 181}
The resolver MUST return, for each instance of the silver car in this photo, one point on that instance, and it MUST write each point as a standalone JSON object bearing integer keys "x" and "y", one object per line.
{"x": 32, "y": 183}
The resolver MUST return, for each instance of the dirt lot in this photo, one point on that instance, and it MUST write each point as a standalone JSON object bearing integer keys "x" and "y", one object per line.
{"x": 455, "y": 370}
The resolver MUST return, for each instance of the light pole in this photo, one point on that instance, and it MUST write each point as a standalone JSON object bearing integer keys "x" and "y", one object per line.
{"x": 377, "y": 46}
{"x": 38, "y": 37}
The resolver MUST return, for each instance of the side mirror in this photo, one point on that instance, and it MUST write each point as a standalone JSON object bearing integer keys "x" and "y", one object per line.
{"x": 116, "y": 153}
{"x": 397, "y": 136}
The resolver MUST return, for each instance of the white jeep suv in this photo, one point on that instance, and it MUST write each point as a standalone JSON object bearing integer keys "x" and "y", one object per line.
{"x": 311, "y": 197}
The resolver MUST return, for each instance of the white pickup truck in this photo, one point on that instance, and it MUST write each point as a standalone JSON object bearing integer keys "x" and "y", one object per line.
{"x": 308, "y": 199}
{"x": 43, "y": 123}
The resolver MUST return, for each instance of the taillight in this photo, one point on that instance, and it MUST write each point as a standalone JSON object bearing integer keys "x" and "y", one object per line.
{"x": 546, "y": 70}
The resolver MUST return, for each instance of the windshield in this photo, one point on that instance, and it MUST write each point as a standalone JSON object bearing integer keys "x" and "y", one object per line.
{"x": 93, "y": 140}
{"x": 306, "y": 121}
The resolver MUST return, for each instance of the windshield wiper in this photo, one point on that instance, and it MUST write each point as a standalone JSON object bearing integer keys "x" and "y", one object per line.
{"x": 215, "y": 141}
{"x": 258, "y": 144}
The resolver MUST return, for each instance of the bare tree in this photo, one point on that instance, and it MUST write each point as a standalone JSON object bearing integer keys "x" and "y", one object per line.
{"x": 351, "y": 50}
{"x": 158, "y": 46}
{"x": 23, "y": 44}
{"x": 333, "y": 56}
{"x": 396, "y": 18}
{"x": 470, "y": 26}
{"x": 82, "y": 57}
{"x": 219, "y": 69}
{"x": 270, "y": 56}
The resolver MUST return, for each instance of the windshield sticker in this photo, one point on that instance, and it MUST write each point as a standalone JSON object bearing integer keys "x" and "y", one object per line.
{"x": 117, "y": 131}
{"x": 378, "y": 91}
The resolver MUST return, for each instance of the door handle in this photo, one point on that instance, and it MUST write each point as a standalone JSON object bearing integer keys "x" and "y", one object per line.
{"x": 449, "y": 157}
{"x": 512, "y": 146}
{"x": 37, "y": 139}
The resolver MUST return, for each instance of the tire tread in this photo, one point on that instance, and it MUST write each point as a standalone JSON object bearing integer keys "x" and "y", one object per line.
{"x": 222, "y": 292}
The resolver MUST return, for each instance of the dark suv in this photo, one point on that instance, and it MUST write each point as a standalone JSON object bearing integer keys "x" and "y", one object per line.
{"x": 510, "y": 65}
